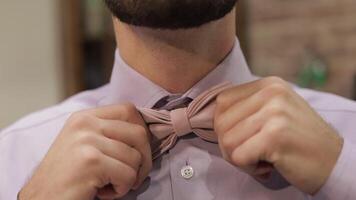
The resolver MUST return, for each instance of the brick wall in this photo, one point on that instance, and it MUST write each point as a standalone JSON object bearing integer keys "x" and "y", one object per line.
{"x": 285, "y": 35}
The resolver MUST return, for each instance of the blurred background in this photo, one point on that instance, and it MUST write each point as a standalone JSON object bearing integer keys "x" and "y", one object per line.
{"x": 50, "y": 50}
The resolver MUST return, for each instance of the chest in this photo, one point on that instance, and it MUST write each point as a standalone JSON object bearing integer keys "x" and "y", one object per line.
{"x": 194, "y": 169}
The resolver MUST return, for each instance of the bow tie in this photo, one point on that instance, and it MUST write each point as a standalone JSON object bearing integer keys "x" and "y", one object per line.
{"x": 198, "y": 118}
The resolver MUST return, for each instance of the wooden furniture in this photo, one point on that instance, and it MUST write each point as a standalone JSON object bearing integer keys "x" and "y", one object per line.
{"x": 71, "y": 46}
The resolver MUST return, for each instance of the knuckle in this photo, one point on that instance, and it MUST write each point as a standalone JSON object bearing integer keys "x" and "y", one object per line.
{"x": 121, "y": 190}
{"x": 227, "y": 143}
{"x": 275, "y": 109}
{"x": 84, "y": 137}
{"x": 273, "y": 131}
{"x": 128, "y": 109}
{"x": 93, "y": 183}
{"x": 273, "y": 156}
{"x": 140, "y": 131}
{"x": 80, "y": 120}
{"x": 218, "y": 125}
{"x": 125, "y": 182}
{"x": 223, "y": 98}
{"x": 240, "y": 160}
{"x": 131, "y": 177}
{"x": 270, "y": 148}
{"x": 90, "y": 156}
{"x": 146, "y": 168}
{"x": 267, "y": 152}
{"x": 274, "y": 80}
{"x": 276, "y": 89}
{"x": 276, "y": 129}
{"x": 136, "y": 157}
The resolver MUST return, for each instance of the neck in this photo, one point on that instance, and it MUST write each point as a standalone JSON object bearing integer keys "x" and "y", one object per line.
{"x": 176, "y": 59}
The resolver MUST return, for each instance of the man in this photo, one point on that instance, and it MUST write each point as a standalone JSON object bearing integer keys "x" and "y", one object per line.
{"x": 274, "y": 141}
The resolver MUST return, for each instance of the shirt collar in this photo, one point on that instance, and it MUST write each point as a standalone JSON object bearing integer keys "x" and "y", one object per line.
{"x": 127, "y": 85}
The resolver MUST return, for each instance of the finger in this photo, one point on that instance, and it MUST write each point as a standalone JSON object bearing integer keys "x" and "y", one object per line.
{"x": 241, "y": 132}
{"x": 130, "y": 134}
{"x": 241, "y": 110}
{"x": 248, "y": 106}
{"x": 106, "y": 192}
{"x": 120, "y": 151}
{"x": 118, "y": 174}
{"x": 135, "y": 136}
{"x": 124, "y": 112}
{"x": 238, "y": 93}
{"x": 250, "y": 154}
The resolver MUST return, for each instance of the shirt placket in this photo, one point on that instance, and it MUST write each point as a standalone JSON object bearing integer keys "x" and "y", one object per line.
{"x": 188, "y": 168}
{"x": 188, "y": 165}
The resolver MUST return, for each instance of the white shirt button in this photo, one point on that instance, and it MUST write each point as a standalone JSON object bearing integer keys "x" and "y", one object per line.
{"x": 187, "y": 172}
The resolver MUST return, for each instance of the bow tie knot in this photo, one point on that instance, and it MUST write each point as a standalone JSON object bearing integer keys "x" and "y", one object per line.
{"x": 167, "y": 126}
{"x": 180, "y": 122}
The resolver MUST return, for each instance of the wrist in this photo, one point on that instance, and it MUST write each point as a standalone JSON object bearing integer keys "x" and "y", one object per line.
{"x": 26, "y": 194}
{"x": 31, "y": 191}
{"x": 341, "y": 182}
{"x": 22, "y": 195}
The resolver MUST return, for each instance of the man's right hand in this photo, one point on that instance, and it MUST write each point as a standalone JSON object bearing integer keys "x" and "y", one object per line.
{"x": 102, "y": 152}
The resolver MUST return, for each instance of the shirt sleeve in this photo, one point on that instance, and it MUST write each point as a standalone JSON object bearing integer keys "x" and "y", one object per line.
{"x": 341, "y": 184}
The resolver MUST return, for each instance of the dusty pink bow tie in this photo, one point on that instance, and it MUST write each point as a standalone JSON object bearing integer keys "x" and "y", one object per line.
{"x": 168, "y": 126}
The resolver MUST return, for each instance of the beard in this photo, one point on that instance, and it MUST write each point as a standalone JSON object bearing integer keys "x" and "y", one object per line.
{"x": 169, "y": 14}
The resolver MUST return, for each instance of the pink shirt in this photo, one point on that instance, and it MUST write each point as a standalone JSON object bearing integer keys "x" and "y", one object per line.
{"x": 24, "y": 144}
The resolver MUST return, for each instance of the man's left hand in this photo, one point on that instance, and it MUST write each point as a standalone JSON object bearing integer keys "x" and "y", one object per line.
{"x": 265, "y": 125}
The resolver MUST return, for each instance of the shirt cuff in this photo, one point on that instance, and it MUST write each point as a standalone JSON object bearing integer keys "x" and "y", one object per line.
{"x": 341, "y": 183}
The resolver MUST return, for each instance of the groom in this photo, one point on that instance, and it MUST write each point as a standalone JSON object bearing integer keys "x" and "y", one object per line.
{"x": 97, "y": 144}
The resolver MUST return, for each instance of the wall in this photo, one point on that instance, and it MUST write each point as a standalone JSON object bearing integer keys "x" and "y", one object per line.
{"x": 284, "y": 34}
{"x": 30, "y": 76}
